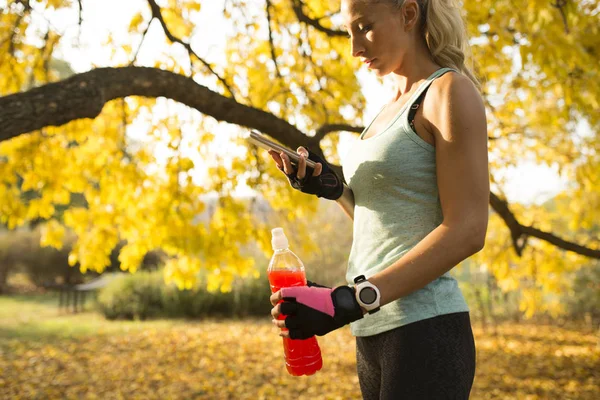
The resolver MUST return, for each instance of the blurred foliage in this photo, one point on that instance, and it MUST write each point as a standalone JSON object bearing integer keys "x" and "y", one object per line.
{"x": 46, "y": 355}
{"x": 21, "y": 252}
{"x": 325, "y": 264}
{"x": 490, "y": 303}
{"x": 584, "y": 298}
{"x": 544, "y": 275}
{"x": 539, "y": 68}
{"x": 145, "y": 295}
{"x": 150, "y": 296}
{"x": 130, "y": 296}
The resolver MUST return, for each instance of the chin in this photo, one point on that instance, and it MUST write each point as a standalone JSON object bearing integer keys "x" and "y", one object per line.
{"x": 381, "y": 72}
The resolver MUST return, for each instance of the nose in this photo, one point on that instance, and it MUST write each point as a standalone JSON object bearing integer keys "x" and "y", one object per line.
{"x": 357, "y": 47}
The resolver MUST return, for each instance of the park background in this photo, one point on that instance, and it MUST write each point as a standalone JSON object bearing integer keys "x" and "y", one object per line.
{"x": 131, "y": 177}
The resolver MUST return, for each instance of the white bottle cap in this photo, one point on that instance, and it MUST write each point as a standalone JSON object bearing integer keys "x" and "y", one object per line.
{"x": 278, "y": 239}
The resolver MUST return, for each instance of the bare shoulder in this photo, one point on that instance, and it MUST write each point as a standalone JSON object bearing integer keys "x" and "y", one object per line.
{"x": 453, "y": 86}
{"x": 453, "y": 99}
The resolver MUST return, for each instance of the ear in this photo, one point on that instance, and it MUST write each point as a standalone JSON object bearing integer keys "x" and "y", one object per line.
{"x": 410, "y": 14}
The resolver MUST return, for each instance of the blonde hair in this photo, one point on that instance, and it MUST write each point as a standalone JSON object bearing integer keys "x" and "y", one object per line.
{"x": 445, "y": 33}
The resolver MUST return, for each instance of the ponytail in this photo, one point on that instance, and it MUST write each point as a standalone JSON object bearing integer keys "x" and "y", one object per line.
{"x": 446, "y": 35}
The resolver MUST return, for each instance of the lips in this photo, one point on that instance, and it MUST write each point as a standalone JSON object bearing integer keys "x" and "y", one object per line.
{"x": 369, "y": 62}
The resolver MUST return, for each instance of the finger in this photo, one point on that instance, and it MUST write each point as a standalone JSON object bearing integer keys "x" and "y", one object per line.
{"x": 285, "y": 334}
{"x": 276, "y": 311}
{"x": 297, "y": 334}
{"x": 277, "y": 158}
{"x": 288, "y": 308}
{"x": 276, "y": 298}
{"x": 287, "y": 165}
{"x": 279, "y": 323}
{"x": 302, "y": 150}
{"x": 301, "y": 166}
{"x": 318, "y": 169}
{"x": 291, "y": 323}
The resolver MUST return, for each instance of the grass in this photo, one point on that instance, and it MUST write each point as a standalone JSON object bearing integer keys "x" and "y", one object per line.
{"x": 37, "y": 317}
{"x": 45, "y": 353}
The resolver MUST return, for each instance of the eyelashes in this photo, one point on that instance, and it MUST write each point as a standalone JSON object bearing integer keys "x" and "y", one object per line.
{"x": 364, "y": 29}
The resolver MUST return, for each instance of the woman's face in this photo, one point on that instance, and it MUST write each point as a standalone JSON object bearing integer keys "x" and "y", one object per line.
{"x": 376, "y": 33}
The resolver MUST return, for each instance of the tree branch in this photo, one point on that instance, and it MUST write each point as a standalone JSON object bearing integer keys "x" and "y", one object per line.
{"x": 561, "y": 243}
{"x": 84, "y": 96}
{"x": 273, "y": 56}
{"x": 297, "y": 6}
{"x": 326, "y": 129}
{"x": 516, "y": 232}
{"x": 318, "y": 71}
{"x": 80, "y": 19}
{"x": 560, "y": 4}
{"x": 520, "y": 233}
{"x": 14, "y": 30}
{"x": 157, "y": 13}
{"x": 137, "y": 51}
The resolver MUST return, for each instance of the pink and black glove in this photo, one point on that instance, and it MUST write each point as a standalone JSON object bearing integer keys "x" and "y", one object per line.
{"x": 318, "y": 310}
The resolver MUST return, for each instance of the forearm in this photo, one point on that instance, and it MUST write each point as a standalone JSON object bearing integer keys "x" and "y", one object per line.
{"x": 433, "y": 256}
{"x": 346, "y": 202}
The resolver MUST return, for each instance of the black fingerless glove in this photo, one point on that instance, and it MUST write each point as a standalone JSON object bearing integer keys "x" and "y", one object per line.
{"x": 327, "y": 185}
{"x": 313, "y": 284}
{"x": 313, "y": 311}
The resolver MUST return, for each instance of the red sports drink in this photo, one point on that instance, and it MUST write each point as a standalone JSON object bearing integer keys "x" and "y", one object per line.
{"x": 302, "y": 357}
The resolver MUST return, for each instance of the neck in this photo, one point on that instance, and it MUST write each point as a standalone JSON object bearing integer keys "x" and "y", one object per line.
{"x": 408, "y": 75}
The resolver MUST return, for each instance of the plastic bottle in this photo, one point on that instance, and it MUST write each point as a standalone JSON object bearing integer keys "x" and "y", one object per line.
{"x": 302, "y": 357}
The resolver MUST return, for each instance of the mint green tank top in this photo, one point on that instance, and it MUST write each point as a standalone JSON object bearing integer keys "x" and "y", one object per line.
{"x": 393, "y": 178}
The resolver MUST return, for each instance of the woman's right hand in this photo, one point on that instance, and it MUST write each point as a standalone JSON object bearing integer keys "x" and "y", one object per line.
{"x": 284, "y": 164}
{"x": 322, "y": 182}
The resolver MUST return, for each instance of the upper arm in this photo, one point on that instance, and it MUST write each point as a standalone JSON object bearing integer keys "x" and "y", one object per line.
{"x": 346, "y": 202}
{"x": 460, "y": 129}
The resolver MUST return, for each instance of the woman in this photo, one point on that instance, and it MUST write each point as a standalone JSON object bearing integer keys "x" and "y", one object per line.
{"x": 418, "y": 192}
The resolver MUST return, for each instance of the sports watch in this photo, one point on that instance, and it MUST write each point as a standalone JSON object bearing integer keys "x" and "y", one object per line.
{"x": 367, "y": 294}
{"x": 344, "y": 303}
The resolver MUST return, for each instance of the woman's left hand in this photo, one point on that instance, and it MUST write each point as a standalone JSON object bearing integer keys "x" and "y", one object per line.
{"x": 310, "y": 311}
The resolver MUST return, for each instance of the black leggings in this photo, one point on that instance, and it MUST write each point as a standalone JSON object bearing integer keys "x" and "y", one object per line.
{"x": 428, "y": 359}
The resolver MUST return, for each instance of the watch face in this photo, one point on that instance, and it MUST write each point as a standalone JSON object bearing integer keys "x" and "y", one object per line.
{"x": 368, "y": 295}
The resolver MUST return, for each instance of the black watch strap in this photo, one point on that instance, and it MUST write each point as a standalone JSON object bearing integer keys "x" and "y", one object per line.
{"x": 346, "y": 307}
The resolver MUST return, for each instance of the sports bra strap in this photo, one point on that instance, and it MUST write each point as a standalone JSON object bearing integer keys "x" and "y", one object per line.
{"x": 415, "y": 106}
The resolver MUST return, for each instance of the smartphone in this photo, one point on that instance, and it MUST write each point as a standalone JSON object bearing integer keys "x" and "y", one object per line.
{"x": 260, "y": 140}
